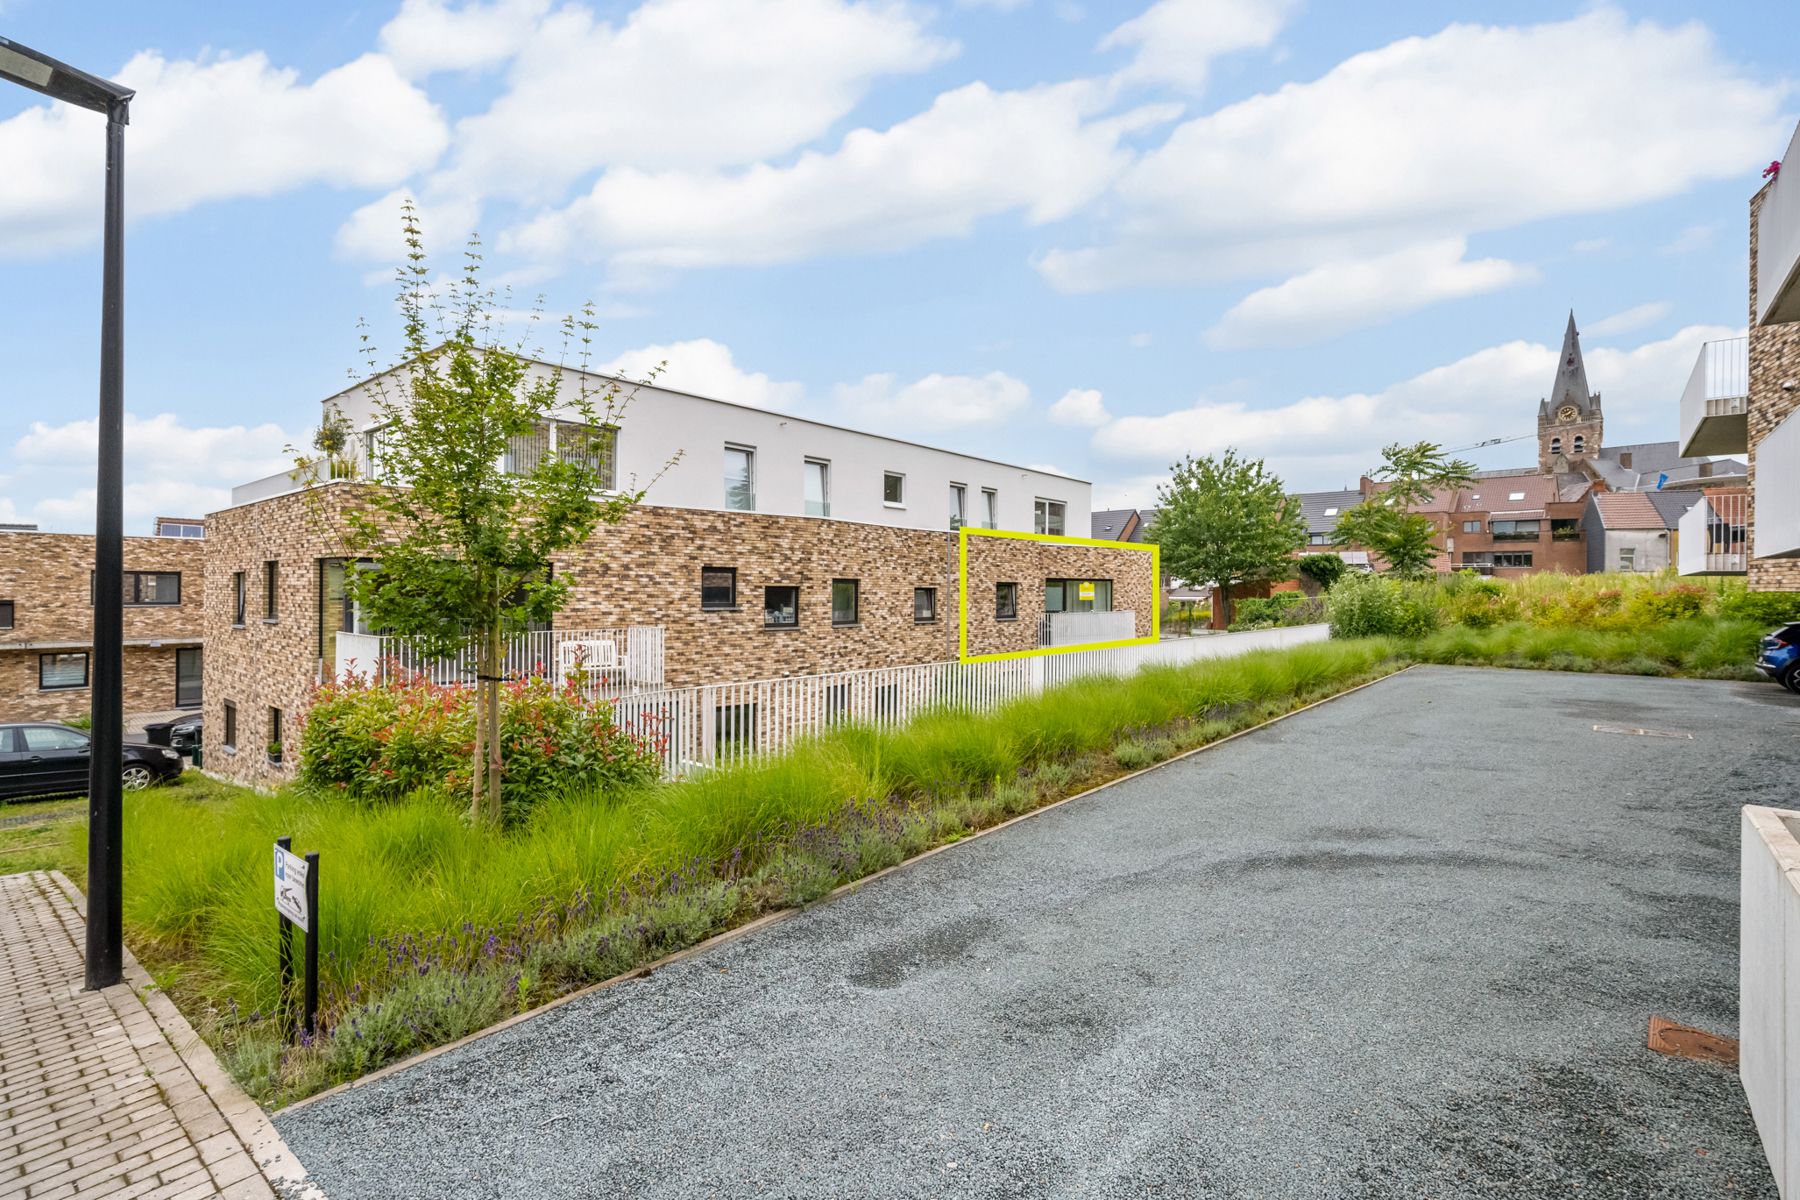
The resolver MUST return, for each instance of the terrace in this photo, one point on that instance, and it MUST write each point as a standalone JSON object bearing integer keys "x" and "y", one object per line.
{"x": 1715, "y": 405}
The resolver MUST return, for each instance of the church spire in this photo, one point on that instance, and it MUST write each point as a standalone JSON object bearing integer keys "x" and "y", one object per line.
{"x": 1571, "y": 385}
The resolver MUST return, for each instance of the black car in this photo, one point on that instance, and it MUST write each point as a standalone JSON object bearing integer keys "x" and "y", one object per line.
{"x": 181, "y": 734}
{"x": 42, "y": 759}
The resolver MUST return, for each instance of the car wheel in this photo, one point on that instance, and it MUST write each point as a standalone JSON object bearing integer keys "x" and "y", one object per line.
{"x": 1792, "y": 679}
{"x": 137, "y": 777}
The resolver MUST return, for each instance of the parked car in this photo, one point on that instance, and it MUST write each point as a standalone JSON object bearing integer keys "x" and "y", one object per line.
{"x": 1779, "y": 656}
{"x": 43, "y": 759}
{"x": 181, "y": 734}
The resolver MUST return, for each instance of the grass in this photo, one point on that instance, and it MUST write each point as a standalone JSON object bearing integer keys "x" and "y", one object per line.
{"x": 433, "y": 929}
{"x": 1701, "y": 647}
{"x": 35, "y": 836}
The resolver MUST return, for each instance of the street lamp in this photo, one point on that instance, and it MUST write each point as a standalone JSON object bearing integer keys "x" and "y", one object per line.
{"x": 105, "y": 945}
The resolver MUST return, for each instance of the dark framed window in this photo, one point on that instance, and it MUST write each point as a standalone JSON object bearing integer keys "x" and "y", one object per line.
{"x": 1006, "y": 601}
{"x": 275, "y": 734}
{"x": 271, "y": 589}
{"x": 893, "y": 487}
{"x": 718, "y": 587}
{"x": 781, "y": 607}
{"x": 924, "y": 604}
{"x": 146, "y": 588}
{"x": 6, "y": 614}
{"x": 1513, "y": 558}
{"x": 237, "y": 597}
{"x": 229, "y": 738}
{"x": 845, "y": 597}
{"x": 1514, "y": 531}
{"x": 1471, "y": 526}
{"x": 58, "y": 672}
{"x": 1077, "y": 595}
{"x": 188, "y": 676}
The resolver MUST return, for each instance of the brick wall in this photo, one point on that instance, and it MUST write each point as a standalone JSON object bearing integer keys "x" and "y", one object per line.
{"x": 46, "y": 576}
{"x": 1774, "y": 356}
{"x": 646, "y": 571}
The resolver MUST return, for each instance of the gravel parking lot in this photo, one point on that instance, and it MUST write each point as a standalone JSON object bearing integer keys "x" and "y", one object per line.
{"x": 1402, "y": 945}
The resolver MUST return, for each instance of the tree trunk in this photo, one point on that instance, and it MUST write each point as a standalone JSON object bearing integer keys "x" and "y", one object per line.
{"x": 1225, "y": 606}
{"x": 478, "y": 768}
{"x": 492, "y": 686}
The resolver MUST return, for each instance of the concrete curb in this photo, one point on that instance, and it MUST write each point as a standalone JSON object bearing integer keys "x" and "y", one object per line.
{"x": 774, "y": 918}
{"x": 246, "y": 1118}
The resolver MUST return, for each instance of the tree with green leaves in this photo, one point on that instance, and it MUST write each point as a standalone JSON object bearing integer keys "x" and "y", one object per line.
{"x": 1226, "y": 520}
{"x": 1388, "y": 524}
{"x": 1323, "y": 569}
{"x": 487, "y": 463}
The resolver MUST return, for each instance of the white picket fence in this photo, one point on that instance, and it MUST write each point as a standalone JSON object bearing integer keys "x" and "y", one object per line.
{"x": 726, "y": 724}
{"x": 608, "y": 661}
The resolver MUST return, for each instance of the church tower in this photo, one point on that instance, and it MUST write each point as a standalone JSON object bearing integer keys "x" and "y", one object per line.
{"x": 1569, "y": 422}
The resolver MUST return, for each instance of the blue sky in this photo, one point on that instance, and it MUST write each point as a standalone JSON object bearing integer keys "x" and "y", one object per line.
{"x": 1082, "y": 235}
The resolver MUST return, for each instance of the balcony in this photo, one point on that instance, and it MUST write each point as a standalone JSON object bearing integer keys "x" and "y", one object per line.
{"x": 1778, "y": 490}
{"x": 1085, "y": 628}
{"x": 1778, "y": 246}
{"x": 1713, "y": 536}
{"x": 604, "y": 662}
{"x": 1715, "y": 405}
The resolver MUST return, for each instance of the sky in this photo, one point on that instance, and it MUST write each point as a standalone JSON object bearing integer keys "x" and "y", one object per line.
{"x": 1086, "y": 236}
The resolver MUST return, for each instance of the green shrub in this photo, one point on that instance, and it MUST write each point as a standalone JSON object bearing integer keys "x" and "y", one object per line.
{"x": 1678, "y": 603}
{"x": 1363, "y": 606}
{"x": 1764, "y": 608}
{"x": 383, "y": 741}
{"x": 1323, "y": 569}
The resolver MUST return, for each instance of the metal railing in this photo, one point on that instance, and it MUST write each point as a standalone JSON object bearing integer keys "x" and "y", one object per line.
{"x": 729, "y": 724}
{"x": 605, "y": 661}
{"x": 1714, "y": 536}
{"x": 1716, "y": 399}
{"x": 1080, "y": 628}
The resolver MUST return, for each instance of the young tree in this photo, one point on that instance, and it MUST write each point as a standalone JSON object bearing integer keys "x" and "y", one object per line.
{"x": 1323, "y": 569}
{"x": 462, "y": 537}
{"x": 1226, "y": 520}
{"x": 1386, "y": 523}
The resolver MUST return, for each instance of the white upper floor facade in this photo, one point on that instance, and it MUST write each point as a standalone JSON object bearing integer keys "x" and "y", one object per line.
{"x": 697, "y": 452}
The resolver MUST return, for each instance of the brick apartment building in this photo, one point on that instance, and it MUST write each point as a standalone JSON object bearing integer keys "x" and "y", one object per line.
{"x": 1771, "y": 428}
{"x": 776, "y": 547}
{"x": 47, "y": 623}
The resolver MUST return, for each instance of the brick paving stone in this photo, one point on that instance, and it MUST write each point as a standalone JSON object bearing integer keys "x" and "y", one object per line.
{"x": 111, "y": 1094}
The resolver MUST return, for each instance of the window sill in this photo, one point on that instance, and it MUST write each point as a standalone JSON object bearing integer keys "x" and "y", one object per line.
{"x": 846, "y": 624}
{"x": 781, "y": 628}
{"x": 231, "y": 750}
{"x": 891, "y": 504}
{"x": 237, "y": 625}
{"x": 271, "y": 620}
{"x": 925, "y": 621}
{"x": 1006, "y": 618}
{"x": 721, "y": 608}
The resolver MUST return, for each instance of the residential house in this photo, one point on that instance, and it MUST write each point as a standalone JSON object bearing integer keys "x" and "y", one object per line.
{"x": 1634, "y": 531}
{"x": 1115, "y": 525}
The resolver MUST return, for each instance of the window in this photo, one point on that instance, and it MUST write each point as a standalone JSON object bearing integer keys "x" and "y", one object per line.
{"x": 1006, "y": 601}
{"x": 959, "y": 505}
{"x": 275, "y": 734}
{"x": 1565, "y": 529}
{"x": 237, "y": 597}
{"x": 924, "y": 604}
{"x": 1331, "y": 512}
{"x": 893, "y": 488}
{"x": 781, "y": 607}
{"x": 1077, "y": 595}
{"x": 1627, "y": 558}
{"x": 733, "y": 725}
{"x": 718, "y": 587}
{"x": 1513, "y": 558}
{"x": 1515, "y": 495}
{"x": 990, "y": 507}
{"x": 1317, "y": 539}
{"x": 595, "y": 447}
{"x": 1514, "y": 531}
{"x": 145, "y": 588}
{"x": 59, "y": 671}
{"x": 170, "y": 527}
{"x": 271, "y": 580}
{"x": 1556, "y": 445}
{"x": 6, "y": 614}
{"x": 740, "y": 478}
{"x": 187, "y": 677}
{"x": 1047, "y": 516}
{"x": 229, "y": 741}
{"x": 844, "y": 596}
{"x": 1471, "y": 526}
{"x": 1580, "y": 444}
{"x": 817, "y": 474}
{"x": 51, "y": 737}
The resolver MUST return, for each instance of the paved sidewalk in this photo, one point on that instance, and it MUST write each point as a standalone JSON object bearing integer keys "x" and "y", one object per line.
{"x": 112, "y": 1093}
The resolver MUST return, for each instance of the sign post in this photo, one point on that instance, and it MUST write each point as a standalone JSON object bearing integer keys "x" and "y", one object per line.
{"x": 297, "y": 903}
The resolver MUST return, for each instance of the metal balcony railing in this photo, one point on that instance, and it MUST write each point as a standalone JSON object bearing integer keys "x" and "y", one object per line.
{"x": 1716, "y": 401}
{"x": 1714, "y": 536}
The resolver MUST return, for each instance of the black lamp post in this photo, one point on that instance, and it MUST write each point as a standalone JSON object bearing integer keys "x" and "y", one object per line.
{"x": 59, "y": 81}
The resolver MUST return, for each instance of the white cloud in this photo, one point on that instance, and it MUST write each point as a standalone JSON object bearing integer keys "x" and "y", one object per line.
{"x": 705, "y": 368}
{"x": 934, "y": 402}
{"x": 680, "y": 84}
{"x": 432, "y": 35}
{"x": 1474, "y": 128}
{"x": 1322, "y": 441}
{"x": 171, "y": 469}
{"x": 374, "y": 232}
{"x": 1080, "y": 406}
{"x": 1630, "y": 319}
{"x": 1176, "y": 40}
{"x": 1336, "y": 297}
{"x": 213, "y": 129}
{"x": 975, "y": 153}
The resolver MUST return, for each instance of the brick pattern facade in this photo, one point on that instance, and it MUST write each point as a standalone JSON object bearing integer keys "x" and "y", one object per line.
{"x": 645, "y": 571}
{"x": 46, "y": 576}
{"x": 1774, "y": 356}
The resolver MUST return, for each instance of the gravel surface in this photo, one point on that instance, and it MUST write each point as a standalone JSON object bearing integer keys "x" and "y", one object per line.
{"x": 1404, "y": 945}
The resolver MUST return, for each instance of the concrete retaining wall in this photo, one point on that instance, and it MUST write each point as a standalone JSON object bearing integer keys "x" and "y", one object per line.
{"x": 1769, "y": 985}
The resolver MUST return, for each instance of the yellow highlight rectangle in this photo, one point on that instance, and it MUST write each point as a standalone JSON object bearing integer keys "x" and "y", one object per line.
{"x": 962, "y": 580}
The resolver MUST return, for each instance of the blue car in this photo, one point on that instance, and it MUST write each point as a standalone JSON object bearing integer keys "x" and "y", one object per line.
{"x": 1779, "y": 656}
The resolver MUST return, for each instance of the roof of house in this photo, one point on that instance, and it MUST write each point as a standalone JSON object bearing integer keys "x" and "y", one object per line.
{"x": 1628, "y": 510}
{"x": 1322, "y": 509}
{"x": 1673, "y": 505}
{"x": 1111, "y": 525}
